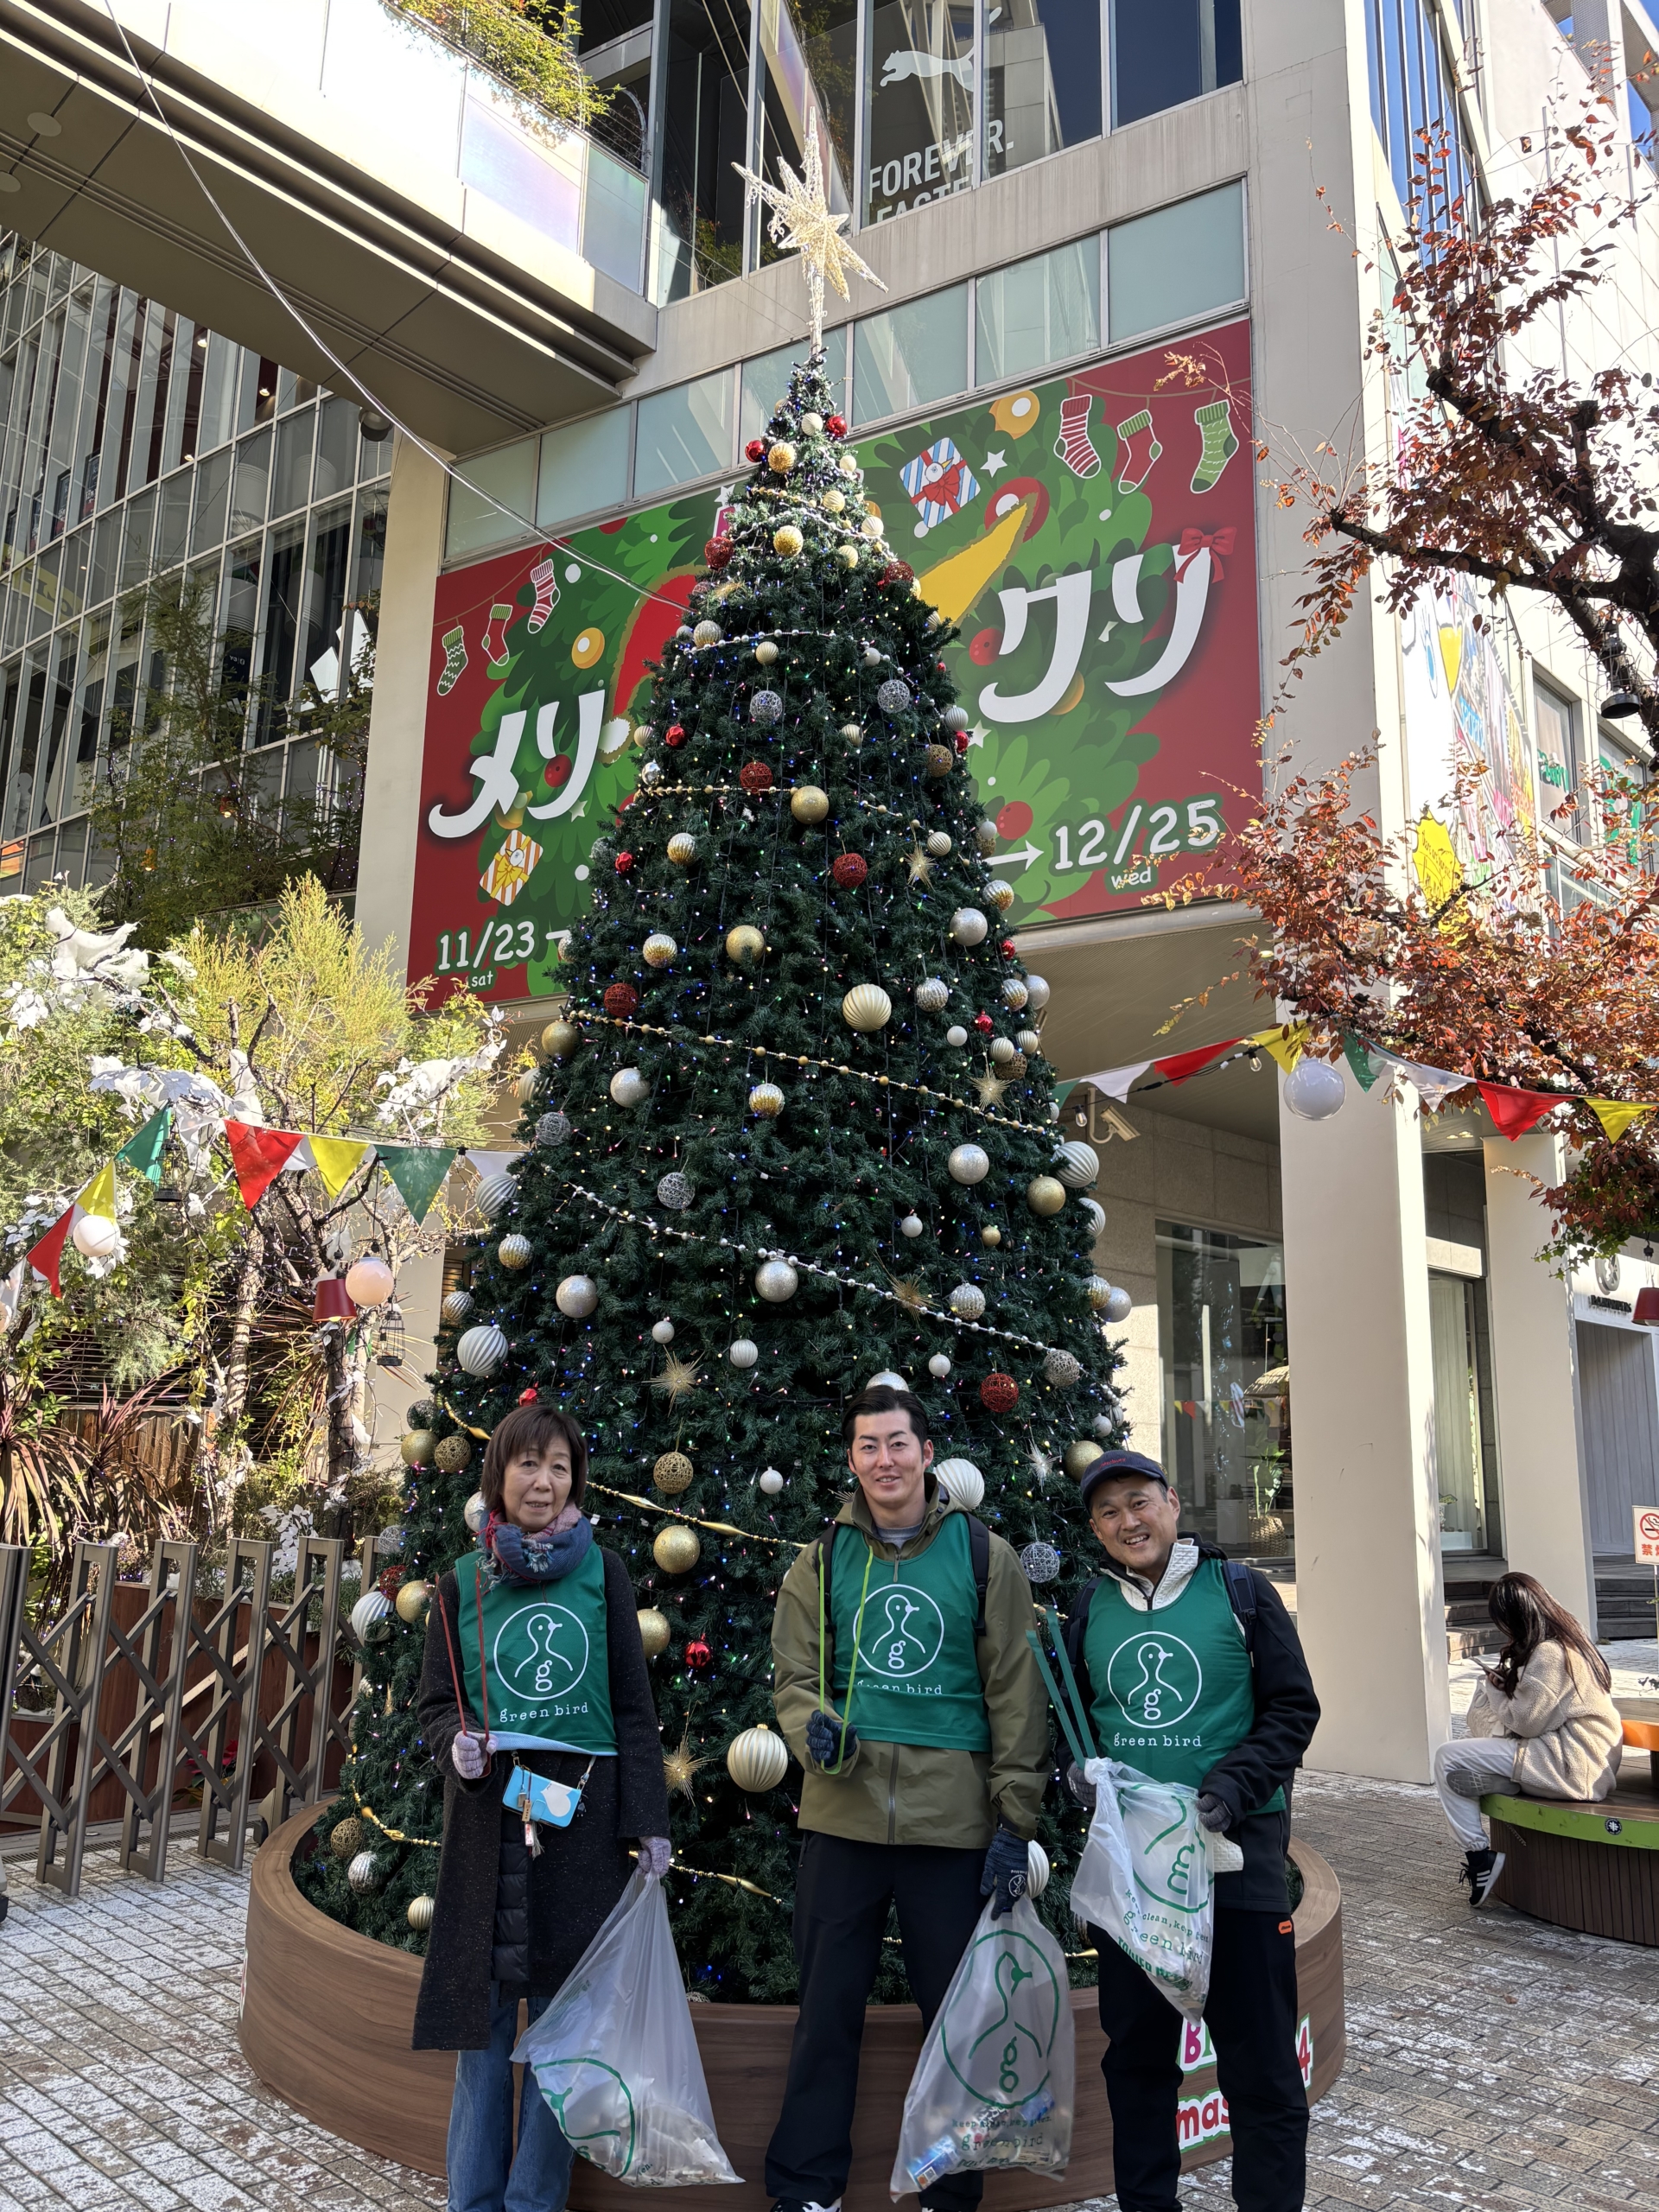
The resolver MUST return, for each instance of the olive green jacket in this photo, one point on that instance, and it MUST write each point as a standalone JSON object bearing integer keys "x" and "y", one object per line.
{"x": 916, "y": 1793}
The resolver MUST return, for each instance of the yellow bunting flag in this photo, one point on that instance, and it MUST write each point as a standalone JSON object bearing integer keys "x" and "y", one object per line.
{"x": 1615, "y": 1116}
{"x": 98, "y": 1196}
{"x": 336, "y": 1160}
{"x": 1285, "y": 1041}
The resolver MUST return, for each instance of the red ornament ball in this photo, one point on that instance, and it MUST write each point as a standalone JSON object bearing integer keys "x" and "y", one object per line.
{"x": 1007, "y": 948}
{"x": 962, "y": 740}
{"x": 983, "y": 1023}
{"x": 999, "y": 1394}
{"x": 624, "y": 862}
{"x": 754, "y": 776}
{"x": 849, "y": 870}
{"x": 756, "y": 449}
{"x": 697, "y": 1655}
{"x": 528, "y": 1397}
{"x": 621, "y": 1000}
{"x": 390, "y": 1578}
{"x": 836, "y": 425}
{"x": 897, "y": 572}
{"x": 717, "y": 551}
{"x": 674, "y": 734}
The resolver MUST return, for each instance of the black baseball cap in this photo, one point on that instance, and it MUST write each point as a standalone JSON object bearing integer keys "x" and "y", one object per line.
{"x": 1115, "y": 1467}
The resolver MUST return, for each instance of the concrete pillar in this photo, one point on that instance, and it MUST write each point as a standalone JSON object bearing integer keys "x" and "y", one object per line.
{"x": 1541, "y": 1469}
{"x": 1369, "y": 1601}
{"x": 391, "y": 795}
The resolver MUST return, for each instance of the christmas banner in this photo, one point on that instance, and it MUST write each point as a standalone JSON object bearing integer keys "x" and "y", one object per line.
{"x": 1094, "y": 537}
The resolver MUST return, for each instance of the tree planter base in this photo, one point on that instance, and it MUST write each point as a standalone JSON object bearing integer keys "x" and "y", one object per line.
{"x": 326, "y": 2018}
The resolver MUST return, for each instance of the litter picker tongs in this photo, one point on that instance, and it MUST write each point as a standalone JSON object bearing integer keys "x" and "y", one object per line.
{"x": 1074, "y": 1719}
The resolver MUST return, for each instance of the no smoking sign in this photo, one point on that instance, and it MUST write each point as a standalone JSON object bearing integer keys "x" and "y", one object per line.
{"x": 1646, "y": 1535}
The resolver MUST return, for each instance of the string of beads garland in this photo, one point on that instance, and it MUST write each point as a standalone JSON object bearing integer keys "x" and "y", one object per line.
{"x": 392, "y": 1835}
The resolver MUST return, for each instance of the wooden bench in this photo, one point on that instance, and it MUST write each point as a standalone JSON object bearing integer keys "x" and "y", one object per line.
{"x": 1592, "y": 1865}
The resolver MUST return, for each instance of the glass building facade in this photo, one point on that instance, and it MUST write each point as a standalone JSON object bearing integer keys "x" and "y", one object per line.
{"x": 137, "y": 446}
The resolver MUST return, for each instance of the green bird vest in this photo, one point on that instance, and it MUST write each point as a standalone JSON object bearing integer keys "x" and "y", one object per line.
{"x": 549, "y": 1678}
{"x": 1172, "y": 1692}
{"x": 904, "y": 1639}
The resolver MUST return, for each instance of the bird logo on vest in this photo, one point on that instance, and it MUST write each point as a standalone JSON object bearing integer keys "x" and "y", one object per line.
{"x": 1155, "y": 1679}
{"x": 899, "y": 1632}
{"x": 541, "y": 1653}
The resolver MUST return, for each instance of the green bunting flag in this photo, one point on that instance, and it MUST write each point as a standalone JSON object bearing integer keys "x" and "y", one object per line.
{"x": 417, "y": 1169}
{"x": 142, "y": 1149}
{"x": 1366, "y": 1069}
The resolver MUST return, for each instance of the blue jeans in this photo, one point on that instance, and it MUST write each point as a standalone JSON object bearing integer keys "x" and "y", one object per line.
{"x": 487, "y": 2174}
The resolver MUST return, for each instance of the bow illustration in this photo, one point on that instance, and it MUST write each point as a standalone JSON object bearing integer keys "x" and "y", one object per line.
{"x": 1194, "y": 542}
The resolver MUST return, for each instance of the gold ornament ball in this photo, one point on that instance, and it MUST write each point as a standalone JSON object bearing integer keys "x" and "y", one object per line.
{"x": 809, "y": 804}
{"x": 681, "y": 848}
{"x": 767, "y": 1100}
{"x": 672, "y": 1473}
{"x": 417, "y": 1447}
{"x": 421, "y": 1910}
{"x": 834, "y": 501}
{"x": 781, "y": 459}
{"x": 867, "y": 1006}
{"x": 676, "y": 1550}
{"x": 347, "y": 1839}
{"x": 766, "y": 652}
{"x": 1080, "y": 1457}
{"x": 453, "y": 1454}
{"x": 787, "y": 541}
{"x": 413, "y": 1598}
{"x": 1100, "y": 1293}
{"x": 847, "y": 464}
{"x": 757, "y": 1760}
{"x": 1046, "y": 1194}
{"x": 847, "y": 556}
{"x": 653, "y": 1630}
{"x": 939, "y": 761}
{"x": 745, "y": 945}
{"x": 658, "y": 948}
{"x": 515, "y": 1251}
{"x": 1000, "y": 893}
{"x": 990, "y": 1235}
{"x": 560, "y": 1039}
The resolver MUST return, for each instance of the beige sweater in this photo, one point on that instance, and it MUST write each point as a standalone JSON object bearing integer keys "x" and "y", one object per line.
{"x": 1567, "y": 1733}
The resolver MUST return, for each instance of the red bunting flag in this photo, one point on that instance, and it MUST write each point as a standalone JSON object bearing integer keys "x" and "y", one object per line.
{"x": 1179, "y": 1065}
{"x": 47, "y": 1257}
{"x": 258, "y": 1157}
{"x": 1515, "y": 1111}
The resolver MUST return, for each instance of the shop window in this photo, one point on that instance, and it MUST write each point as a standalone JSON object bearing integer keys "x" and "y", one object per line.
{"x": 212, "y": 502}
{"x": 584, "y": 468}
{"x": 503, "y": 478}
{"x": 290, "y": 485}
{"x": 1413, "y": 104}
{"x": 1175, "y": 263}
{"x": 173, "y": 528}
{"x": 1041, "y": 310}
{"x": 1042, "y": 79}
{"x": 251, "y": 487}
{"x": 921, "y": 105}
{"x": 336, "y": 448}
{"x": 811, "y": 60}
{"x": 1556, "y": 720}
{"x": 1226, "y": 1387}
{"x": 683, "y": 433}
{"x": 765, "y": 379}
{"x": 911, "y": 356}
{"x": 1622, "y": 810}
{"x": 1460, "y": 1463}
{"x": 1165, "y": 52}
{"x": 135, "y": 554}
{"x": 705, "y": 131}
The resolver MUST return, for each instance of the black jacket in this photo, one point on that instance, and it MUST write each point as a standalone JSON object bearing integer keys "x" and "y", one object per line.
{"x": 500, "y": 1914}
{"x": 1286, "y": 1714}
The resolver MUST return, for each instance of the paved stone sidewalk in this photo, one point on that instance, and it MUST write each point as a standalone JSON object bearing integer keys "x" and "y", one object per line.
{"x": 1492, "y": 2064}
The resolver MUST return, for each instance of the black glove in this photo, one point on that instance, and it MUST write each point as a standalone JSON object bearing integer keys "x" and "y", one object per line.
{"x": 1079, "y": 1788}
{"x": 825, "y": 1738}
{"x": 1213, "y": 1815}
{"x": 1006, "y": 1864}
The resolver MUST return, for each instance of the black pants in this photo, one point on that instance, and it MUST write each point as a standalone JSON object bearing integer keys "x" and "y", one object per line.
{"x": 842, "y": 1894}
{"x": 1252, "y": 2019}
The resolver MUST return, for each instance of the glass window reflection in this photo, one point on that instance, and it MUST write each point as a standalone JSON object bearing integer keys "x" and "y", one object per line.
{"x": 1042, "y": 79}
{"x": 810, "y": 51}
{"x": 705, "y": 116}
{"x": 1166, "y": 52}
{"x": 921, "y": 105}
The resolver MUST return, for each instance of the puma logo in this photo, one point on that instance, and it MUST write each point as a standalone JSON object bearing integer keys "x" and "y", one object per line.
{"x": 911, "y": 63}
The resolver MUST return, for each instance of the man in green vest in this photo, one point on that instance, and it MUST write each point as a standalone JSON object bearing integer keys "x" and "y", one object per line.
{"x": 906, "y": 1687}
{"x": 1190, "y": 1671}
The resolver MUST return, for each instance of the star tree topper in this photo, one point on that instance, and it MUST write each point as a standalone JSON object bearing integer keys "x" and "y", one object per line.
{"x": 801, "y": 222}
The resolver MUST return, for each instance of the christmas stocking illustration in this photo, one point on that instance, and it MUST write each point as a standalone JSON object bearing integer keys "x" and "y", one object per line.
{"x": 1074, "y": 446}
{"x": 455, "y": 660}
{"x": 1140, "y": 448}
{"x": 547, "y": 595}
{"x": 495, "y": 639}
{"x": 1216, "y": 428}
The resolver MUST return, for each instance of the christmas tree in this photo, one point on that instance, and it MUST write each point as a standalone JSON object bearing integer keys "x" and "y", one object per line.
{"x": 793, "y": 1130}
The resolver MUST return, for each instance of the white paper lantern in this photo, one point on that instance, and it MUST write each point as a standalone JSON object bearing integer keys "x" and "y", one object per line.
{"x": 1078, "y": 1165}
{"x": 1036, "y": 992}
{"x": 482, "y": 1351}
{"x": 968, "y": 1163}
{"x": 968, "y": 1301}
{"x": 369, "y": 1282}
{"x": 939, "y": 1365}
{"x": 475, "y": 1512}
{"x": 932, "y": 994}
{"x": 776, "y": 1281}
{"x": 968, "y": 926}
{"x": 743, "y": 1353}
{"x": 1313, "y": 1089}
{"x": 372, "y": 1617}
{"x": 962, "y": 1483}
{"x": 1037, "y": 1869}
{"x": 628, "y": 1086}
{"x": 95, "y": 1235}
{"x": 771, "y": 1482}
{"x": 495, "y": 1194}
{"x": 867, "y": 1007}
{"x": 576, "y": 1296}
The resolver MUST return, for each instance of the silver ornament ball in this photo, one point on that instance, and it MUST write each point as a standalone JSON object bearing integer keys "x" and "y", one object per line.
{"x": 968, "y": 1163}
{"x": 554, "y": 1129}
{"x": 776, "y": 1281}
{"x": 765, "y": 707}
{"x": 1041, "y": 1563}
{"x": 743, "y": 1352}
{"x": 675, "y": 1190}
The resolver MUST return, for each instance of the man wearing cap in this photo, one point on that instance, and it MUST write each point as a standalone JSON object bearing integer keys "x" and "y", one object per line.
{"x": 1190, "y": 1671}
{"x": 906, "y": 1689}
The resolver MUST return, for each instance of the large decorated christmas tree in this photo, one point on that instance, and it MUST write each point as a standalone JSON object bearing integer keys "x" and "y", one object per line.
{"x": 793, "y": 1131}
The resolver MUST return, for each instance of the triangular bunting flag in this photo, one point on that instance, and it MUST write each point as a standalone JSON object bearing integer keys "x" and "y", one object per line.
{"x": 1115, "y": 1083}
{"x": 1366, "y": 1069}
{"x": 98, "y": 1196}
{"x": 1178, "y": 1065}
{"x": 1615, "y": 1116}
{"x": 142, "y": 1149}
{"x": 1286, "y": 1042}
{"x": 1433, "y": 1085}
{"x": 1515, "y": 1111}
{"x": 336, "y": 1160}
{"x": 417, "y": 1172}
{"x": 47, "y": 1257}
{"x": 258, "y": 1157}
{"x": 486, "y": 1164}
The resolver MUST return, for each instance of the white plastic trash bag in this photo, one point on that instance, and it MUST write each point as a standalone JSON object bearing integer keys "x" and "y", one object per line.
{"x": 616, "y": 2057}
{"x": 1145, "y": 1879}
{"x": 994, "y": 2082}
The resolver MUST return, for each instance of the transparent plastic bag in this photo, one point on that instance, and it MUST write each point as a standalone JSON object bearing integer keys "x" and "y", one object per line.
{"x": 995, "y": 2083}
{"x": 1146, "y": 1878}
{"x": 616, "y": 2057}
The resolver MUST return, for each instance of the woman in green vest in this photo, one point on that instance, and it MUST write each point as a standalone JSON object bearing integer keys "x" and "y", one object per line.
{"x": 536, "y": 1705}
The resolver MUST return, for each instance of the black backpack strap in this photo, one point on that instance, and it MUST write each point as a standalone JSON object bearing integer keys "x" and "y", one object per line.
{"x": 1241, "y": 1594}
{"x": 1077, "y": 1621}
{"x": 979, "y": 1554}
